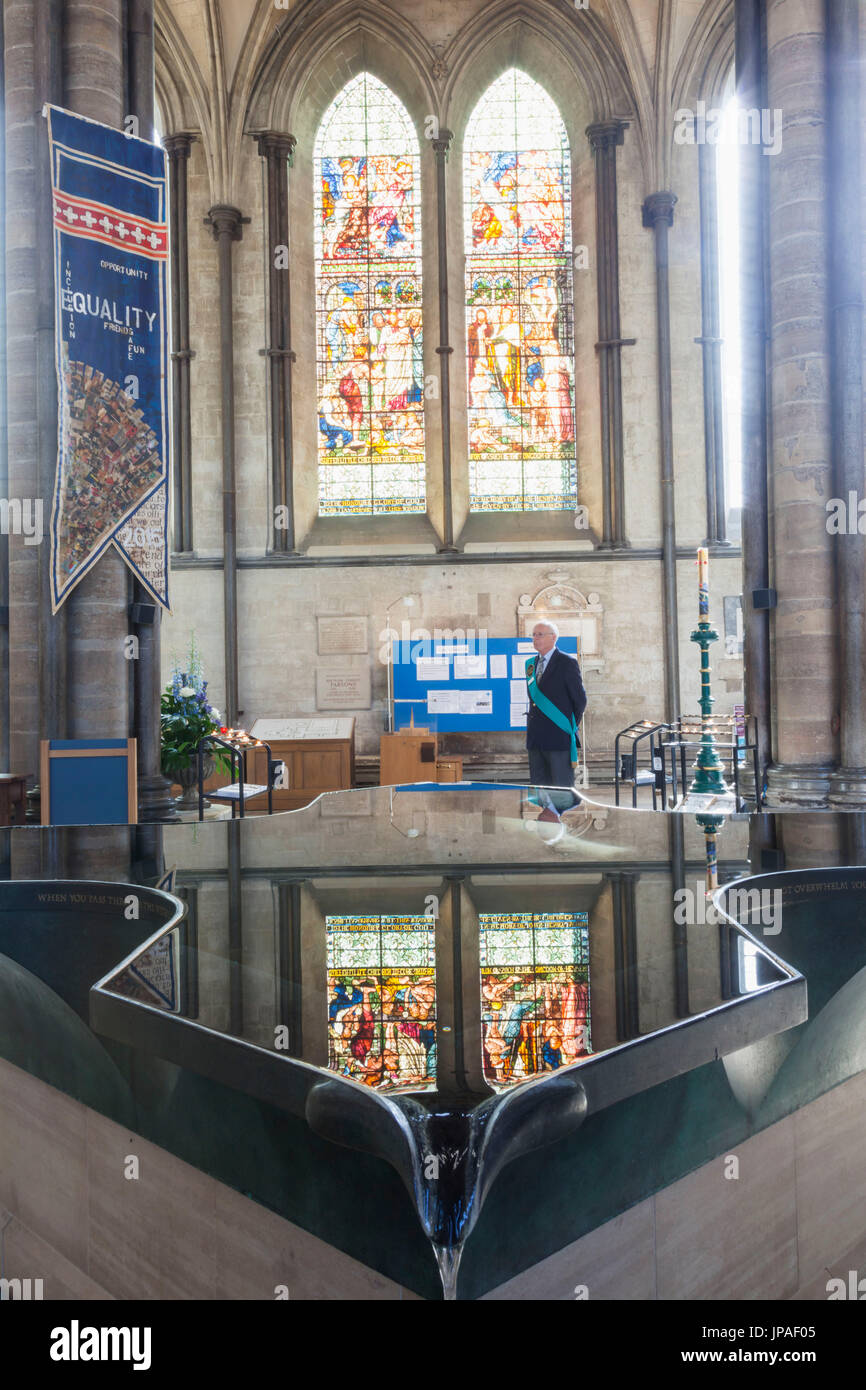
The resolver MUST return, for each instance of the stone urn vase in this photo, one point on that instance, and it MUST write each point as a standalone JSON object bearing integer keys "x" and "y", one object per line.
{"x": 188, "y": 780}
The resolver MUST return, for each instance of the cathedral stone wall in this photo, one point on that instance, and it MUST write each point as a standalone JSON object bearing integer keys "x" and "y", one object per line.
{"x": 358, "y": 569}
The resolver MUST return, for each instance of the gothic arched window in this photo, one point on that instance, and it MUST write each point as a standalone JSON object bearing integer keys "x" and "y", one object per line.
{"x": 382, "y": 1000}
{"x": 368, "y": 274}
{"x": 519, "y": 301}
{"x": 535, "y": 1014}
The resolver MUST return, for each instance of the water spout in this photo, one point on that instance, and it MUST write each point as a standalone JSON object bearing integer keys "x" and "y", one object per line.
{"x": 448, "y": 1260}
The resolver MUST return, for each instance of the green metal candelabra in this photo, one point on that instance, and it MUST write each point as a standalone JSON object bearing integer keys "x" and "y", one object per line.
{"x": 708, "y": 768}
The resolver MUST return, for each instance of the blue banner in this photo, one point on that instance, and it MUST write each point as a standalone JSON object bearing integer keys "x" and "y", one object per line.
{"x": 109, "y": 195}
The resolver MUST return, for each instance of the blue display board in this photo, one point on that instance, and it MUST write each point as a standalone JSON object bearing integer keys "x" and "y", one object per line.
{"x": 482, "y": 702}
{"x": 89, "y": 781}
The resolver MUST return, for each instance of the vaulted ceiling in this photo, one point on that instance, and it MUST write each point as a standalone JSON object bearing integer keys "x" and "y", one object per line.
{"x": 216, "y": 57}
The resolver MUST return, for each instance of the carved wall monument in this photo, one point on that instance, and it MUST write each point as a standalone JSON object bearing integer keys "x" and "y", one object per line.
{"x": 343, "y": 687}
{"x": 575, "y": 614}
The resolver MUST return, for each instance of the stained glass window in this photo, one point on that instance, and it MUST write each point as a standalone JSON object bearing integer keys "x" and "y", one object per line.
{"x": 534, "y": 993}
{"x": 519, "y": 301}
{"x": 382, "y": 1000}
{"x": 368, "y": 274}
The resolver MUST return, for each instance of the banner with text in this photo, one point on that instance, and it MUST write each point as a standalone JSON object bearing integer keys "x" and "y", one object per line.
{"x": 109, "y": 197}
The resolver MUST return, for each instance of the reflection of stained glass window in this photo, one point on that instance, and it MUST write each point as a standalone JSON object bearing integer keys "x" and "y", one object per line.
{"x": 534, "y": 992}
{"x": 382, "y": 1000}
{"x": 368, "y": 276}
{"x": 519, "y": 301}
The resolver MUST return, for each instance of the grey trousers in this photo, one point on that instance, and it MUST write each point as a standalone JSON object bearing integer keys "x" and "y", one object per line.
{"x": 551, "y": 767}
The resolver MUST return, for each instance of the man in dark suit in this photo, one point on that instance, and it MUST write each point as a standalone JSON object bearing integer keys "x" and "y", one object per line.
{"x": 553, "y": 677}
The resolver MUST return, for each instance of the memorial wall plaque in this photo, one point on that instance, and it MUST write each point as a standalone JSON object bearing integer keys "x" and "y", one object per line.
{"x": 343, "y": 636}
{"x": 343, "y": 687}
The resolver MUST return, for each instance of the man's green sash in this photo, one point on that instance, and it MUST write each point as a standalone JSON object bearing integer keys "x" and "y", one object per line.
{"x": 553, "y": 712}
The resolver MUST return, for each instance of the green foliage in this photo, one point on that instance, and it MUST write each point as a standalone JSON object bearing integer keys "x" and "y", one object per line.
{"x": 186, "y": 715}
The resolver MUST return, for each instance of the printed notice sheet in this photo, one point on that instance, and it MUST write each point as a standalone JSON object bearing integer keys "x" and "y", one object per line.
{"x": 519, "y": 694}
{"x": 518, "y": 666}
{"x": 518, "y": 716}
{"x": 432, "y": 668}
{"x": 498, "y": 666}
{"x": 443, "y": 702}
{"x": 467, "y": 668}
{"x": 476, "y": 701}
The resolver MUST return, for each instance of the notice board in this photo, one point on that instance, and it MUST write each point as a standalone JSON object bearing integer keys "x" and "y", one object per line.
{"x": 454, "y": 686}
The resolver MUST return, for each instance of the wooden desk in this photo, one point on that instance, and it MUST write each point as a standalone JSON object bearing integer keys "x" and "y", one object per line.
{"x": 409, "y": 756}
{"x": 13, "y": 804}
{"x": 319, "y": 755}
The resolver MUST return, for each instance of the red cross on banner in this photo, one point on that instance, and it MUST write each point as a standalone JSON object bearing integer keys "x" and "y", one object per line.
{"x": 85, "y": 218}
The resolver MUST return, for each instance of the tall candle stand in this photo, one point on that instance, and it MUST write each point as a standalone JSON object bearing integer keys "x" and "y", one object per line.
{"x": 708, "y": 768}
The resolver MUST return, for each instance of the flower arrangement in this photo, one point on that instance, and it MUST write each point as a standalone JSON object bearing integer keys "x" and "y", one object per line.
{"x": 186, "y": 715}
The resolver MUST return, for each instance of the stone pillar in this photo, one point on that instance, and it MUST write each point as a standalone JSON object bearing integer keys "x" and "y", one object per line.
{"x": 177, "y": 147}
{"x": 291, "y": 967}
{"x": 98, "y": 673}
{"x": 848, "y": 783}
{"x": 277, "y": 150}
{"x": 806, "y": 688}
{"x": 33, "y": 74}
{"x": 154, "y": 790}
{"x": 604, "y": 138}
{"x": 226, "y": 224}
{"x": 444, "y": 350}
{"x": 751, "y": 86}
{"x": 625, "y": 953}
{"x": 711, "y": 348}
{"x": 658, "y": 213}
{"x": 4, "y": 442}
{"x": 234, "y": 876}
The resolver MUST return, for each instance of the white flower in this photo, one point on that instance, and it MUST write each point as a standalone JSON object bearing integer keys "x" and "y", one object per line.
{"x": 186, "y": 690}
{"x": 214, "y": 713}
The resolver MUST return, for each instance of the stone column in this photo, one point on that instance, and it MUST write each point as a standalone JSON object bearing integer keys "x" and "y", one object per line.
{"x": 750, "y": 19}
{"x": 444, "y": 350}
{"x": 4, "y": 441}
{"x": 806, "y": 687}
{"x": 154, "y": 790}
{"x": 658, "y": 213}
{"x": 277, "y": 150}
{"x": 291, "y": 977}
{"x": 97, "y": 609}
{"x": 36, "y": 642}
{"x": 625, "y": 952}
{"x": 848, "y": 783}
{"x": 226, "y": 224}
{"x": 711, "y": 348}
{"x": 604, "y": 138}
{"x": 177, "y": 147}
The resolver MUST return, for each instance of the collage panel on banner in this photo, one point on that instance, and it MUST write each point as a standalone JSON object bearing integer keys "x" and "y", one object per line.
{"x": 111, "y": 254}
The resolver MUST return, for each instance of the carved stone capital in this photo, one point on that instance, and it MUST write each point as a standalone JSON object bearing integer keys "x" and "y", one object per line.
{"x": 178, "y": 146}
{"x": 225, "y": 221}
{"x": 275, "y": 144}
{"x": 659, "y": 207}
{"x": 442, "y": 143}
{"x": 605, "y": 135}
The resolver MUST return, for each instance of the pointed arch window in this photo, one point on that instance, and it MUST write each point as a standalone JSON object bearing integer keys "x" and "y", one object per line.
{"x": 369, "y": 321}
{"x": 519, "y": 301}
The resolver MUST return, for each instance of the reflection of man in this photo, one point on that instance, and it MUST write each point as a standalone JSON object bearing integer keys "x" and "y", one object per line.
{"x": 557, "y": 700}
